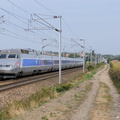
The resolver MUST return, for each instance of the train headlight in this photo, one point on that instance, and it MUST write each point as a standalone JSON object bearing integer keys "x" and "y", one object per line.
{"x": 9, "y": 65}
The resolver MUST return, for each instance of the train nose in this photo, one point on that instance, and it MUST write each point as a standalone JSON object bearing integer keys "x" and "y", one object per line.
{"x": 6, "y": 68}
{"x": 6, "y": 65}
{"x": 1, "y": 66}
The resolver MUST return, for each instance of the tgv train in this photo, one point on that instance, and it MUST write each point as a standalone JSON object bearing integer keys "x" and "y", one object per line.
{"x": 20, "y": 62}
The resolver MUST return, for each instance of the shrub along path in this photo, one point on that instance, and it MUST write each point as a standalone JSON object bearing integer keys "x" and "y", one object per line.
{"x": 94, "y": 99}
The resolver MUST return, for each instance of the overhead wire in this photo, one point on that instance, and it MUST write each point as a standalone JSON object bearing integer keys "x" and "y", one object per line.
{"x": 22, "y": 29}
{"x": 48, "y": 25}
{"x": 18, "y": 6}
{"x": 14, "y": 27}
{"x": 28, "y": 13}
{"x": 45, "y": 7}
{"x": 14, "y": 15}
{"x": 69, "y": 28}
{"x": 62, "y": 17}
{"x": 15, "y": 35}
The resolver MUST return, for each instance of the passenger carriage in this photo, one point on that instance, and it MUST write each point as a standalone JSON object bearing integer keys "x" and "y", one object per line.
{"x": 20, "y": 62}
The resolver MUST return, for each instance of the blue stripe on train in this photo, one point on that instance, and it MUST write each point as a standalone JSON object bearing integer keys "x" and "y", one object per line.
{"x": 36, "y": 62}
{"x": 31, "y": 62}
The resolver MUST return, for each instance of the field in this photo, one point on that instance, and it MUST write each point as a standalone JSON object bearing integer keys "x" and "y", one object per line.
{"x": 114, "y": 73}
{"x": 115, "y": 64}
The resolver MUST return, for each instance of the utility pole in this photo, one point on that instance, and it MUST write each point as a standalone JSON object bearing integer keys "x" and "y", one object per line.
{"x": 43, "y": 46}
{"x": 60, "y": 32}
{"x": 83, "y": 51}
{"x": 63, "y": 51}
{"x": 74, "y": 55}
{"x": 48, "y": 26}
{"x": 99, "y": 58}
{"x": 91, "y": 54}
{"x": 89, "y": 57}
{"x": 95, "y": 58}
{"x": 84, "y": 57}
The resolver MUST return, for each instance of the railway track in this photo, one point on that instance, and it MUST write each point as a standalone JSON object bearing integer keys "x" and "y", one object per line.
{"x": 34, "y": 79}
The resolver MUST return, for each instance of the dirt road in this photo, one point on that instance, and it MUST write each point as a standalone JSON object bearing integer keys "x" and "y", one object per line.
{"x": 94, "y": 99}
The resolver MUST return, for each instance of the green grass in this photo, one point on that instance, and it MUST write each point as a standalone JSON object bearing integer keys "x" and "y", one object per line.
{"x": 44, "y": 118}
{"x": 115, "y": 76}
{"x": 114, "y": 73}
{"x": 41, "y": 97}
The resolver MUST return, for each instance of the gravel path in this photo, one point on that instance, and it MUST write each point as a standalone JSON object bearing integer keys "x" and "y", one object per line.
{"x": 94, "y": 99}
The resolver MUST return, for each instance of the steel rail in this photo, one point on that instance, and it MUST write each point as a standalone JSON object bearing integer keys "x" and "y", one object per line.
{"x": 33, "y": 80}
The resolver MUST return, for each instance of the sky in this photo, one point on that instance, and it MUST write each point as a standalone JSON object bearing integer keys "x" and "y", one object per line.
{"x": 30, "y": 24}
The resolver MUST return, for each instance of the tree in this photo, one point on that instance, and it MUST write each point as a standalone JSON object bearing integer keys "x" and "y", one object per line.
{"x": 72, "y": 55}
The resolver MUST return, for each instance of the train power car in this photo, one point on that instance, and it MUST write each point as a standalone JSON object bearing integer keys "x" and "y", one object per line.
{"x": 20, "y": 62}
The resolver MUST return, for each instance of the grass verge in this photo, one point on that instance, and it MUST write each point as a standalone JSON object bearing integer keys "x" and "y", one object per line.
{"x": 40, "y": 97}
{"x": 114, "y": 73}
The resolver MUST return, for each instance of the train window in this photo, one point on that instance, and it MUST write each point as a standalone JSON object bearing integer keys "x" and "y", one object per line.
{"x": 2, "y": 56}
{"x": 24, "y": 51}
{"x": 48, "y": 62}
{"x": 11, "y": 55}
{"x": 56, "y": 61}
{"x": 64, "y": 61}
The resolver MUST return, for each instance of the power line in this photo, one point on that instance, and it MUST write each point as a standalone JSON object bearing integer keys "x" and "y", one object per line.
{"x": 12, "y": 24}
{"x": 18, "y": 19}
{"x": 69, "y": 28}
{"x": 56, "y": 13}
{"x": 20, "y": 37}
{"x": 22, "y": 29}
{"x": 45, "y": 7}
{"x": 40, "y": 22}
{"x": 30, "y": 14}
{"x": 43, "y": 15}
{"x": 14, "y": 15}
{"x": 18, "y": 6}
{"x": 48, "y": 24}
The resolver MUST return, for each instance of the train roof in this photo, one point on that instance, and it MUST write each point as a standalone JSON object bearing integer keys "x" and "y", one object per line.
{"x": 18, "y": 50}
{"x": 34, "y": 52}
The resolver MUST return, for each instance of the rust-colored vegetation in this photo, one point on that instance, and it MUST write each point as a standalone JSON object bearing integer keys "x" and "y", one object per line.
{"x": 114, "y": 73}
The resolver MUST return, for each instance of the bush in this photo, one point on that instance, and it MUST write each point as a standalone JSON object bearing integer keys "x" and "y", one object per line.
{"x": 111, "y": 65}
{"x": 115, "y": 76}
{"x": 63, "y": 87}
{"x": 91, "y": 67}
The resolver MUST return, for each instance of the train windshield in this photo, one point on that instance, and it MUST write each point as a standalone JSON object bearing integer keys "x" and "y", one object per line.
{"x": 12, "y": 56}
{"x": 2, "y": 56}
